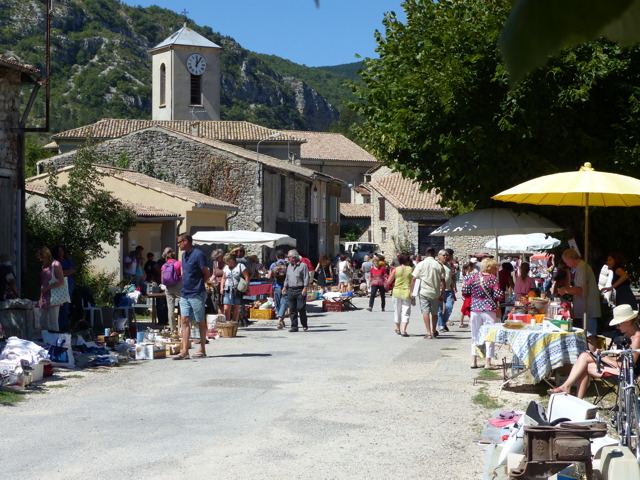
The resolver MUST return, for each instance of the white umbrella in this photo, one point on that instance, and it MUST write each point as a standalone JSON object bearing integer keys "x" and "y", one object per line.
{"x": 243, "y": 237}
{"x": 496, "y": 221}
{"x": 524, "y": 243}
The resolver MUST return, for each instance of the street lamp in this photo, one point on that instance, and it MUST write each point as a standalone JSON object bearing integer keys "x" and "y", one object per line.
{"x": 270, "y": 137}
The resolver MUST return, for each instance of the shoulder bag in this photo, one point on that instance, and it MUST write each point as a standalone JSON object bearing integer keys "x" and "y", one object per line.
{"x": 59, "y": 295}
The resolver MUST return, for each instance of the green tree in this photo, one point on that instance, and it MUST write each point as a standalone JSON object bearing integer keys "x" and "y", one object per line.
{"x": 437, "y": 107}
{"x": 33, "y": 153}
{"x": 80, "y": 214}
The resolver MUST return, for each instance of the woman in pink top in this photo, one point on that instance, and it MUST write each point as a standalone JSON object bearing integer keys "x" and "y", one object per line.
{"x": 524, "y": 283}
{"x": 51, "y": 277}
{"x": 172, "y": 291}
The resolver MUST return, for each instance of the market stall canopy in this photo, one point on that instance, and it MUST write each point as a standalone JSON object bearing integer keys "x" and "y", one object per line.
{"x": 524, "y": 243}
{"x": 496, "y": 221}
{"x": 584, "y": 188}
{"x": 244, "y": 237}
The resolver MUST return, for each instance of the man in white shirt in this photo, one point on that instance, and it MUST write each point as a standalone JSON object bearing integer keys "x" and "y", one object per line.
{"x": 432, "y": 287}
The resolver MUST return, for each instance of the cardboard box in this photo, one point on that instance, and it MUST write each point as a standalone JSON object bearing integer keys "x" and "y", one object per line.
{"x": 172, "y": 348}
{"x": 145, "y": 351}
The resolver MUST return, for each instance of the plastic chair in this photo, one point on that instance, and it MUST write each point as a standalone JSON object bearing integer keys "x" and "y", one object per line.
{"x": 92, "y": 310}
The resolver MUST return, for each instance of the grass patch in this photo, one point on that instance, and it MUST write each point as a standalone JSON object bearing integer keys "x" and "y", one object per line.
{"x": 56, "y": 385}
{"x": 75, "y": 375}
{"x": 488, "y": 374}
{"x": 483, "y": 399}
{"x": 8, "y": 397}
{"x": 448, "y": 348}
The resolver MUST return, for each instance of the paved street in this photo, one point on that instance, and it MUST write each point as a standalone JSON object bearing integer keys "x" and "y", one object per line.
{"x": 347, "y": 399}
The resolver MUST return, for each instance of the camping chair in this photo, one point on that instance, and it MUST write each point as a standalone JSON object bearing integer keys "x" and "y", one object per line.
{"x": 88, "y": 307}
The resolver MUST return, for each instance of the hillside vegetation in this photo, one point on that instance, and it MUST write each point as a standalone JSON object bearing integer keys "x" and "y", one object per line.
{"x": 101, "y": 67}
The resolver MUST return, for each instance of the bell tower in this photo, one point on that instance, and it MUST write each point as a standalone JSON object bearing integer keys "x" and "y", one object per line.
{"x": 186, "y": 77}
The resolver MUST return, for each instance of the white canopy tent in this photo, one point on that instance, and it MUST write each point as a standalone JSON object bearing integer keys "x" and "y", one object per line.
{"x": 523, "y": 243}
{"x": 244, "y": 237}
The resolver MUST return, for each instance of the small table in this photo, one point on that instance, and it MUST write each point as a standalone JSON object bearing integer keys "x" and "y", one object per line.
{"x": 539, "y": 351}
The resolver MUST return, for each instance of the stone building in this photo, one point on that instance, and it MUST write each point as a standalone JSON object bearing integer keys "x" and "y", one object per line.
{"x": 271, "y": 195}
{"x": 13, "y": 76}
{"x": 402, "y": 217}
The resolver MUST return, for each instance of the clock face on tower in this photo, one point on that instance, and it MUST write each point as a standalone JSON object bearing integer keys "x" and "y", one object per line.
{"x": 196, "y": 64}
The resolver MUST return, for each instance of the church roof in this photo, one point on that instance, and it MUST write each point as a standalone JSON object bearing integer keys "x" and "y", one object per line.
{"x": 186, "y": 36}
{"x": 226, "y": 131}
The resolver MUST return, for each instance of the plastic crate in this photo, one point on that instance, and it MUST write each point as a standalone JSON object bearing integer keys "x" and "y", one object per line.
{"x": 331, "y": 306}
{"x": 261, "y": 314}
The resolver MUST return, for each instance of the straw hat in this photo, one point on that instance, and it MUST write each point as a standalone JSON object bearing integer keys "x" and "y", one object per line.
{"x": 623, "y": 313}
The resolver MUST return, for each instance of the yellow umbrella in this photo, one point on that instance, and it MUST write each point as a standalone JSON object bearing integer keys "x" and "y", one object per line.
{"x": 584, "y": 188}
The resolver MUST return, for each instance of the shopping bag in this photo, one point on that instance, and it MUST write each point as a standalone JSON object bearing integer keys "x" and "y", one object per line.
{"x": 59, "y": 295}
{"x": 59, "y": 342}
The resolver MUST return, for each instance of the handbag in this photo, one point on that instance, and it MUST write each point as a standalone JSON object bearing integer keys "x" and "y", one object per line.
{"x": 243, "y": 286}
{"x": 59, "y": 295}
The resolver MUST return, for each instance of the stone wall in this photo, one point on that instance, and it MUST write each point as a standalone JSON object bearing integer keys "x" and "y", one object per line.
{"x": 465, "y": 246}
{"x": 9, "y": 160}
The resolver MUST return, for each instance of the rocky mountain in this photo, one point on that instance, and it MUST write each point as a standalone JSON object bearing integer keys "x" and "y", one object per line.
{"x": 101, "y": 67}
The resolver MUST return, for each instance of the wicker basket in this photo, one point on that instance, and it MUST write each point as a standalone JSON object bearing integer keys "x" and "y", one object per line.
{"x": 261, "y": 314}
{"x": 227, "y": 329}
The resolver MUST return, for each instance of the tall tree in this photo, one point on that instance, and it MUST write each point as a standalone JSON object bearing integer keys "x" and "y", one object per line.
{"x": 438, "y": 108}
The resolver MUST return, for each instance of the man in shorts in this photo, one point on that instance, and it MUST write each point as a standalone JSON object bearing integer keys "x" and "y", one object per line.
{"x": 193, "y": 294}
{"x": 431, "y": 274}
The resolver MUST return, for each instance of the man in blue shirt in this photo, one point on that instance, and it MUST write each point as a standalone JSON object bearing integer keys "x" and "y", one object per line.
{"x": 193, "y": 295}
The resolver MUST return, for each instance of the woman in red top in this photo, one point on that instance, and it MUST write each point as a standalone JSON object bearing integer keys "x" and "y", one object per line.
{"x": 378, "y": 277}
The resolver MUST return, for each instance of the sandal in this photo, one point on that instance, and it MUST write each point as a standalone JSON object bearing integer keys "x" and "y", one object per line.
{"x": 181, "y": 356}
{"x": 398, "y": 331}
{"x": 280, "y": 324}
{"x": 404, "y": 334}
{"x": 428, "y": 335}
{"x": 463, "y": 325}
{"x": 199, "y": 355}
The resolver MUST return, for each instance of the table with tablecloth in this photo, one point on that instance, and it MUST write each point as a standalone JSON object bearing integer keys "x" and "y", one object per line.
{"x": 256, "y": 289}
{"x": 539, "y": 351}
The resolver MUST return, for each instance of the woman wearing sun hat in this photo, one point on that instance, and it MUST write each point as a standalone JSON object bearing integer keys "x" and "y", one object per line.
{"x": 626, "y": 319}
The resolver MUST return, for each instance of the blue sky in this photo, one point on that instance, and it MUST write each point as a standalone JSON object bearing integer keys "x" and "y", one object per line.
{"x": 293, "y": 29}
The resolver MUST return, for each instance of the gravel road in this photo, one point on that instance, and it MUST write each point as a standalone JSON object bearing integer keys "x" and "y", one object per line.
{"x": 348, "y": 399}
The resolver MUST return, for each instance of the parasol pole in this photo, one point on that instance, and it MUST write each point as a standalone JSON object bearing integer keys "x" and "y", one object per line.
{"x": 586, "y": 261}
{"x": 497, "y": 260}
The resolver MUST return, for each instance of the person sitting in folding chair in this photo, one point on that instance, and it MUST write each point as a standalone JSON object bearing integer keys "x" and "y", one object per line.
{"x": 626, "y": 319}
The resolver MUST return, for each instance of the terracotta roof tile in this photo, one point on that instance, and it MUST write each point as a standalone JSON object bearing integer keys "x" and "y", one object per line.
{"x": 15, "y": 65}
{"x": 355, "y": 210}
{"x": 405, "y": 194}
{"x": 149, "y": 211}
{"x": 226, "y": 131}
{"x": 331, "y": 146}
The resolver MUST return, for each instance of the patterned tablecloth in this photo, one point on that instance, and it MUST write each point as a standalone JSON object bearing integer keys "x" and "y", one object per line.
{"x": 539, "y": 351}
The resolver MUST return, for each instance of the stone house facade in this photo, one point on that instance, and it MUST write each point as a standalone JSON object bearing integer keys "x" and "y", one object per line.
{"x": 13, "y": 76}
{"x": 271, "y": 195}
{"x": 402, "y": 217}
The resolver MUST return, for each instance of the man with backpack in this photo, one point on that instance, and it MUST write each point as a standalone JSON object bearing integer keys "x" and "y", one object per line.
{"x": 278, "y": 274}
